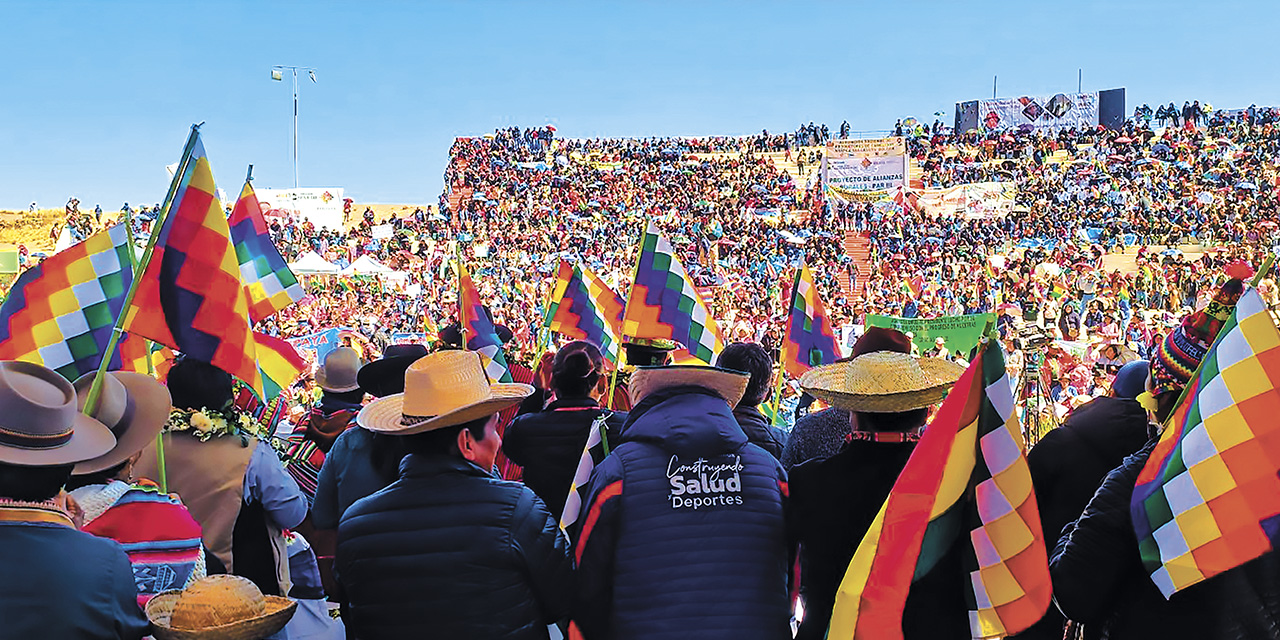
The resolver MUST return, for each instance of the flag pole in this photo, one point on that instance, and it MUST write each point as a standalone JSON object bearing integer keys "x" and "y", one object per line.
{"x": 151, "y": 367}
{"x": 782, "y": 368}
{"x": 622, "y": 352}
{"x": 91, "y": 401}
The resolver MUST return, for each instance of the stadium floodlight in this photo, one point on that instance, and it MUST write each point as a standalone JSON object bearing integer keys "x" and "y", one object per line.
{"x": 277, "y": 73}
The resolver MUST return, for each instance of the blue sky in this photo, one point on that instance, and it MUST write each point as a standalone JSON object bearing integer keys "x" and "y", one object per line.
{"x": 98, "y": 96}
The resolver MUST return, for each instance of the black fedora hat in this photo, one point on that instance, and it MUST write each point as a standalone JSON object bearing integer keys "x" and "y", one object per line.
{"x": 385, "y": 376}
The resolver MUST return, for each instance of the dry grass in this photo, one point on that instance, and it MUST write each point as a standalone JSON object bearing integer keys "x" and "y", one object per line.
{"x": 31, "y": 229}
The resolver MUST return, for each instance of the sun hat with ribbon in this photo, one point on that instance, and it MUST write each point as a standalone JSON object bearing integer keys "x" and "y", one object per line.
{"x": 339, "y": 371}
{"x": 134, "y": 406}
{"x": 219, "y": 607}
{"x": 39, "y": 423}
{"x": 882, "y": 382}
{"x": 726, "y": 383}
{"x": 444, "y": 389}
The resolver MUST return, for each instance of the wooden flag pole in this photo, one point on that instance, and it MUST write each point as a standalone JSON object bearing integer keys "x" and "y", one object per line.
{"x": 95, "y": 391}
{"x": 151, "y": 367}
{"x": 613, "y": 378}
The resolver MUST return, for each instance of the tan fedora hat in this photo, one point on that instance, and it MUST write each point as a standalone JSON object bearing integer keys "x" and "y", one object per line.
{"x": 443, "y": 389}
{"x": 882, "y": 382}
{"x": 219, "y": 607}
{"x": 39, "y": 423}
{"x": 726, "y": 383}
{"x": 134, "y": 406}
{"x": 339, "y": 372}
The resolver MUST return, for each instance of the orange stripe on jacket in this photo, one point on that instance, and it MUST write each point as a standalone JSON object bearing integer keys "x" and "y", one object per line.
{"x": 611, "y": 491}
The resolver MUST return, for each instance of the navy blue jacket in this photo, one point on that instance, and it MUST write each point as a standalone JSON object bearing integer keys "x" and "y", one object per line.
{"x": 449, "y": 551}
{"x": 683, "y": 534}
{"x": 63, "y": 583}
{"x": 549, "y": 444}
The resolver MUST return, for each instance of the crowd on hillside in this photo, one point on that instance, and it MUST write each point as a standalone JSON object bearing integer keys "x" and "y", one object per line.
{"x": 741, "y": 212}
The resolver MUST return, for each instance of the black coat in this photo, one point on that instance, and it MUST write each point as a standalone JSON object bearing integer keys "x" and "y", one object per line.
{"x": 833, "y": 503}
{"x": 1069, "y": 463}
{"x": 1099, "y": 579}
{"x": 449, "y": 551}
{"x": 759, "y": 431}
{"x": 549, "y": 444}
{"x": 817, "y": 435}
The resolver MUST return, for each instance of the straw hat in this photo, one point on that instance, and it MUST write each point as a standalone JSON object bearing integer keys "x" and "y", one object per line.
{"x": 444, "y": 389}
{"x": 726, "y": 383}
{"x": 39, "y": 423}
{"x": 882, "y": 382}
{"x": 339, "y": 371}
{"x": 221, "y": 607}
{"x": 134, "y": 406}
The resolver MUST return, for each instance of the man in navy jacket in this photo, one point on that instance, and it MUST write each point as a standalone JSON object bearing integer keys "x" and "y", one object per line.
{"x": 449, "y": 550}
{"x": 682, "y": 534}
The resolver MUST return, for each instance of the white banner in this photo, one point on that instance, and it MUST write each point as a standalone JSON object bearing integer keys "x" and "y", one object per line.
{"x": 1052, "y": 112}
{"x": 864, "y": 168}
{"x": 380, "y": 231}
{"x": 323, "y": 207}
{"x": 973, "y": 201}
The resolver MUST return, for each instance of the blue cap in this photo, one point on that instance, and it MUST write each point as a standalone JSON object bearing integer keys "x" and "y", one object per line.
{"x": 1131, "y": 379}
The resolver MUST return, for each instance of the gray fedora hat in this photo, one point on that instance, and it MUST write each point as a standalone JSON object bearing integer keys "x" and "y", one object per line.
{"x": 40, "y": 425}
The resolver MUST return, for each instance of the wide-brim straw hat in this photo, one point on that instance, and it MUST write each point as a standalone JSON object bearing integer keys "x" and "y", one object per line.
{"x": 134, "y": 406}
{"x": 726, "y": 383}
{"x": 444, "y": 389}
{"x": 276, "y": 613}
{"x": 882, "y": 382}
{"x": 40, "y": 425}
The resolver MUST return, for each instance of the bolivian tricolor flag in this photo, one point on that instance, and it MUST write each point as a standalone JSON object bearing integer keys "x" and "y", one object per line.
{"x": 966, "y": 483}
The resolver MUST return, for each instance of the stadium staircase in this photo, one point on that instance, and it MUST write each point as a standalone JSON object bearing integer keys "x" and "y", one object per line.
{"x": 858, "y": 247}
{"x": 457, "y": 195}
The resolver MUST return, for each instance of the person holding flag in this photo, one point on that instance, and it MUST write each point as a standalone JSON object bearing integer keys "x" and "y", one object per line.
{"x": 1196, "y": 503}
{"x": 835, "y": 500}
{"x": 548, "y": 444}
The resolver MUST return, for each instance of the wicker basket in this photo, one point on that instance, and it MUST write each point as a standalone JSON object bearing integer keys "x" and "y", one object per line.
{"x": 218, "y": 607}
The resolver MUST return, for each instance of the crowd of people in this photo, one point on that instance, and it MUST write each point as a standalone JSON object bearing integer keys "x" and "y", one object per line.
{"x": 400, "y": 486}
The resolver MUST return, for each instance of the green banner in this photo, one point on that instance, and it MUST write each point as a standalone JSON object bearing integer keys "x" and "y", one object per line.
{"x": 960, "y": 332}
{"x": 8, "y": 261}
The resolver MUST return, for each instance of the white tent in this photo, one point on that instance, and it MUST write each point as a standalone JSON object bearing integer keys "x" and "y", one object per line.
{"x": 311, "y": 262}
{"x": 366, "y": 266}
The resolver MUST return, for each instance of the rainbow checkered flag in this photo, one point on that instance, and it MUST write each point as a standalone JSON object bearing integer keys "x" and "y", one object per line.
{"x": 60, "y": 312}
{"x": 966, "y": 483}
{"x": 593, "y": 453}
{"x": 810, "y": 340}
{"x": 479, "y": 333}
{"x": 1208, "y": 499}
{"x": 268, "y": 282}
{"x": 190, "y": 297}
{"x": 664, "y": 304}
{"x": 279, "y": 364}
{"x": 582, "y": 307}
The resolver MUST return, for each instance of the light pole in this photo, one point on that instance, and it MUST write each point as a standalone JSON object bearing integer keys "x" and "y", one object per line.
{"x": 277, "y": 74}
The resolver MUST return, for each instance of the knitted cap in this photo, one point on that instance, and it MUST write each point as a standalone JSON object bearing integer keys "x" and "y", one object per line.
{"x": 1176, "y": 358}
